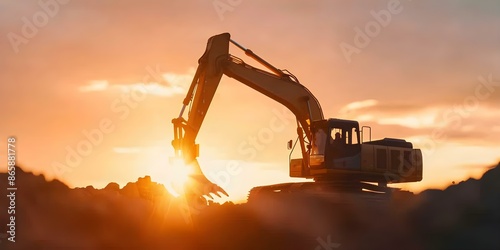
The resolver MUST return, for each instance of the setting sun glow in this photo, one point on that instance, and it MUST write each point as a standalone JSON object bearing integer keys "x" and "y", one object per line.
{"x": 176, "y": 177}
{"x": 90, "y": 100}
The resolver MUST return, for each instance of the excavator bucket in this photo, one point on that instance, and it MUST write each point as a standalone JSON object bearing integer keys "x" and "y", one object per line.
{"x": 198, "y": 184}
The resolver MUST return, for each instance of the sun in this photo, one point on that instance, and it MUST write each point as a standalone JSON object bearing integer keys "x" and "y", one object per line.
{"x": 177, "y": 175}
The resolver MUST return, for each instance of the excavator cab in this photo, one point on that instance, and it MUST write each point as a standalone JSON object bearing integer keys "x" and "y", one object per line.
{"x": 344, "y": 139}
{"x": 336, "y": 144}
{"x": 338, "y": 153}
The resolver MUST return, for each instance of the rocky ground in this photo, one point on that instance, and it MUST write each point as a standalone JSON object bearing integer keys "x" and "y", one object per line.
{"x": 142, "y": 215}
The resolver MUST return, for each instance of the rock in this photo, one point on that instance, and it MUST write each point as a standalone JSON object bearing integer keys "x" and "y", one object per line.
{"x": 112, "y": 186}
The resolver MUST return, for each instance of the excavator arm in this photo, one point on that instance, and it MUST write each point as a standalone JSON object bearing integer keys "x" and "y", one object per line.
{"x": 278, "y": 85}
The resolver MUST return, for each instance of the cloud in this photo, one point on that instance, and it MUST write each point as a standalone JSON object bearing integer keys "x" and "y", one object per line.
{"x": 475, "y": 125}
{"x": 358, "y": 105}
{"x": 98, "y": 85}
{"x": 412, "y": 121}
{"x": 179, "y": 79}
{"x": 387, "y": 114}
{"x": 166, "y": 85}
{"x": 151, "y": 89}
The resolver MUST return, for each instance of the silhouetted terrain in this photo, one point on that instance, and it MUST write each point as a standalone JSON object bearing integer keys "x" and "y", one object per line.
{"x": 142, "y": 215}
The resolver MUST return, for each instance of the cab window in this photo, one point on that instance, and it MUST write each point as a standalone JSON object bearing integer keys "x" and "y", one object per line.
{"x": 319, "y": 142}
{"x": 344, "y": 136}
{"x": 337, "y": 136}
{"x": 354, "y": 136}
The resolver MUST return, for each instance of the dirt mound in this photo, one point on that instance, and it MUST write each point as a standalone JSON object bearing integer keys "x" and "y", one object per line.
{"x": 142, "y": 215}
{"x": 463, "y": 216}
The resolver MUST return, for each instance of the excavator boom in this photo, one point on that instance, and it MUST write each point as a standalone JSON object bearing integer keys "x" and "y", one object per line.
{"x": 278, "y": 85}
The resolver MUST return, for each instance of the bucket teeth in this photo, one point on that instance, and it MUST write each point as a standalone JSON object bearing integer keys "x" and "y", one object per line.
{"x": 200, "y": 185}
{"x": 216, "y": 190}
{"x": 224, "y": 192}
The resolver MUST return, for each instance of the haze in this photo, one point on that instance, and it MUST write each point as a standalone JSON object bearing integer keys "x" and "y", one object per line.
{"x": 430, "y": 73}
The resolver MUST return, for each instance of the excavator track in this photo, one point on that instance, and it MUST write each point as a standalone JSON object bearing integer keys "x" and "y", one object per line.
{"x": 330, "y": 192}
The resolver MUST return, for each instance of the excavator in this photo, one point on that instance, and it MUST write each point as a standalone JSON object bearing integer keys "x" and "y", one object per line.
{"x": 334, "y": 152}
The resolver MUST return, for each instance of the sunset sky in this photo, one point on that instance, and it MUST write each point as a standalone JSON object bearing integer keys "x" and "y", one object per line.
{"x": 427, "y": 71}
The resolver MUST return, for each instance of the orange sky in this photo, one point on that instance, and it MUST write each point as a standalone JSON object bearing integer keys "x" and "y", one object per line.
{"x": 417, "y": 76}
